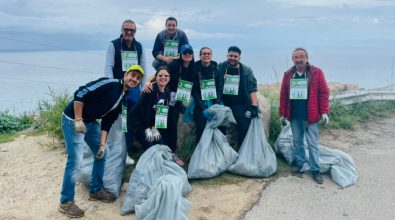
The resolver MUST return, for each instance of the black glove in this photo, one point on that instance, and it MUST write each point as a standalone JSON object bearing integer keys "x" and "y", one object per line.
{"x": 254, "y": 111}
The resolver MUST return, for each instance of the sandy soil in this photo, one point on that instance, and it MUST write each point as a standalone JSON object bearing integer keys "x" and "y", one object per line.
{"x": 31, "y": 177}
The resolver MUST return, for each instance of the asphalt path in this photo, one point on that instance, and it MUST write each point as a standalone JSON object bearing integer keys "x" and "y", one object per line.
{"x": 372, "y": 145}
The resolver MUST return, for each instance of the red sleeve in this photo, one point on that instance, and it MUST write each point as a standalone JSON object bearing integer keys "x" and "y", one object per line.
{"x": 323, "y": 94}
{"x": 283, "y": 108}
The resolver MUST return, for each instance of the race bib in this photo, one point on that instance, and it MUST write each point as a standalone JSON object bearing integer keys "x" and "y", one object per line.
{"x": 184, "y": 91}
{"x": 161, "y": 116}
{"x": 231, "y": 85}
{"x": 298, "y": 89}
{"x": 171, "y": 48}
{"x": 207, "y": 88}
{"x": 129, "y": 58}
{"x": 124, "y": 116}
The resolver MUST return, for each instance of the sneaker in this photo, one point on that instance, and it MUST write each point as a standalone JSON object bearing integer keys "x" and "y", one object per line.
{"x": 177, "y": 160}
{"x": 317, "y": 177}
{"x": 129, "y": 161}
{"x": 71, "y": 209}
{"x": 295, "y": 171}
{"x": 102, "y": 195}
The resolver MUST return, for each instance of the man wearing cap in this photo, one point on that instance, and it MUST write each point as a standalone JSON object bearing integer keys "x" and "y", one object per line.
{"x": 304, "y": 100}
{"x": 122, "y": 53}
{"x": 168, "y": 43}
{"x": 99, "y": 99}
{"x": 239, "y": 87}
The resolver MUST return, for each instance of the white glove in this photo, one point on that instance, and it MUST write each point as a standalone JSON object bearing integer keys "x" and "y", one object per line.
{"x": 172, "y": 99}
{"x": 325, "y": 118}
{"x": 155, "y": 134}
{"x": 148, "y": 135}
{"x": 79, "y": 126}
{"x": 161, "y": 102}
{"x": 284, "y": 121}
{"x": 100, "y": 152}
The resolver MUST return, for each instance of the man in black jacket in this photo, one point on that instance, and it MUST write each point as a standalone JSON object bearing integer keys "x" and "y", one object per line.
{"x": 239, "y": 88}
{"x": 100, "y": 99}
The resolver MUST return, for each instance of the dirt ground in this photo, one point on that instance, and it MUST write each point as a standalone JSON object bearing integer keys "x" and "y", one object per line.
{"x": 31, "y": 177}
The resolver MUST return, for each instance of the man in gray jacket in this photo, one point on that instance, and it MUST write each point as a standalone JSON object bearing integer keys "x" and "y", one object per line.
{"x": 239, "y": 88}
{"x": 168, "y": 43}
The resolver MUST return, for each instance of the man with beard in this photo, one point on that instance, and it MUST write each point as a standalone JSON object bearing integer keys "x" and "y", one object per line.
{"x": 168, "y": 43}
{"x": 239, "y": 89}
{"x": 304, "y": 100}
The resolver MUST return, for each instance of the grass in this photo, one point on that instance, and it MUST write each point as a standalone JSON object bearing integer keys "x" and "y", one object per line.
{"x": 4, "y": 138}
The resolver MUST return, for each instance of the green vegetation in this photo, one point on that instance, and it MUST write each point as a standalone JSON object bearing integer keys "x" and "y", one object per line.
{"x": 346, "y": 117}
{"x": 50, "y": 112}
{"x": 10, "y": 124}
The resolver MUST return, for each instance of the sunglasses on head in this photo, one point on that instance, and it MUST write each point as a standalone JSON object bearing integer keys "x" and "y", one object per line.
{"x": 126, "y": 30}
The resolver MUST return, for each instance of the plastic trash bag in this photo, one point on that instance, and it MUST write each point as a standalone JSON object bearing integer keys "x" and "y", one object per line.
{"x": 165, "y": 201}
{"x": 153, "y": 164}
{"x": 284, "y": 145}
{"x": 339, "y": 164}
{"x": 213, "y": 154}
{"x": 256, "y": 156}
{"x": 115, "y": 157}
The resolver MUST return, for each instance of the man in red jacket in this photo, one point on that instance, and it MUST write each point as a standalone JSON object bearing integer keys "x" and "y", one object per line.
{"x": 304, "y": 100}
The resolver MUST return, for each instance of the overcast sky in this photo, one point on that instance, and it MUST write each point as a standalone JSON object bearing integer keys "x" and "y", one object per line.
{"x": 91, "y": 24}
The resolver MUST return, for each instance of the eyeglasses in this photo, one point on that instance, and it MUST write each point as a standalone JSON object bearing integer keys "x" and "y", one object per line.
{"x": 126, "y": 30}
{"x": 161, "y": 75}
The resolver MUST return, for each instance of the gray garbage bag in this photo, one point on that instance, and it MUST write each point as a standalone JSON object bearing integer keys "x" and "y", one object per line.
{"x": 115, "y": 160}
{"x": 256, "y": 156}
{"x": 154, "y": 163}
{"x": 339, "y": 164}
{"x": 213, "y": 154}
{"x": 165, "y": 201}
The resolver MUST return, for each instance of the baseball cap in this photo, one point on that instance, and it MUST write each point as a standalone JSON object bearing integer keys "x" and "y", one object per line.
{"x": 136, "y": 67}
{"x": 186, "y": 48}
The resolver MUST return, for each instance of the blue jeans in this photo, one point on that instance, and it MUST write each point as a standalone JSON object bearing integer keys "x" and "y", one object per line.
{"x": 74, "y": 145}
{"x": 300, "y": 129}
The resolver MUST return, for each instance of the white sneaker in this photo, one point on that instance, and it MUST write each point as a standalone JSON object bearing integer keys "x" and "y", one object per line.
{"x": 129, "y": 160}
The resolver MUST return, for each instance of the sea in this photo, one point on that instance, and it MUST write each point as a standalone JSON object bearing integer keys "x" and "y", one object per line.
{"x": 27, "y": 77}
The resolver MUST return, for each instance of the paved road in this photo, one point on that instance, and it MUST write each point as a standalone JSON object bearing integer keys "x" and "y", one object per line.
{"x": 372, "y": 146}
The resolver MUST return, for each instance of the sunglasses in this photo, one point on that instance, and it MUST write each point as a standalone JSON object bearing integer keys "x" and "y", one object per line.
{"x": 187, "y": 52}
{"x": 206, "y": 53}
{"x": 126, "y": 30}
{"x": 164, "y": 75}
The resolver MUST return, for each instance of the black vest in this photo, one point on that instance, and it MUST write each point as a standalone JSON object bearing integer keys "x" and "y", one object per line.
{"x": 117, "y": 69}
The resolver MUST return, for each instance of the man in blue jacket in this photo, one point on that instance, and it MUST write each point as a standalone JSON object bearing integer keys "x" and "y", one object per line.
{"x": 100, "y": 99}
{"x": 168, "y": 43}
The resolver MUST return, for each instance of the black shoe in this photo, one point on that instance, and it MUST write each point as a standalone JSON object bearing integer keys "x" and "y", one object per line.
{"x": 317, "y": 177}
{"x": 295, "y": 171}
{"x": 102, "y": 195}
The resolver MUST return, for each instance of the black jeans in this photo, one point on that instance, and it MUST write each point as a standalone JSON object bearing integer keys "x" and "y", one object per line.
{"x": 243, "y": 123}
{"x": 172, "y": 124}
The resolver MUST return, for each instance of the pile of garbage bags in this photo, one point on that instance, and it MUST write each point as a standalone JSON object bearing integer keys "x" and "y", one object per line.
{"x": 339, "y": 164}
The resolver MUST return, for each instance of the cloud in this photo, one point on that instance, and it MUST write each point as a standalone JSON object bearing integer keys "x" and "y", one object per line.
{"x": 193, "y": 34}
{"x": 337, "y": 3}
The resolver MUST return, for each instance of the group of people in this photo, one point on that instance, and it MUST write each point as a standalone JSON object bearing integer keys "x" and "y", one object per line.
{"x": 149, "y": 108}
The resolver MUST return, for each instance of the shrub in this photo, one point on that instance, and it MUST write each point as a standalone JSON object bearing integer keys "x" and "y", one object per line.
{"x": 50, "y": 112}
{"x": 10, "y": 124}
